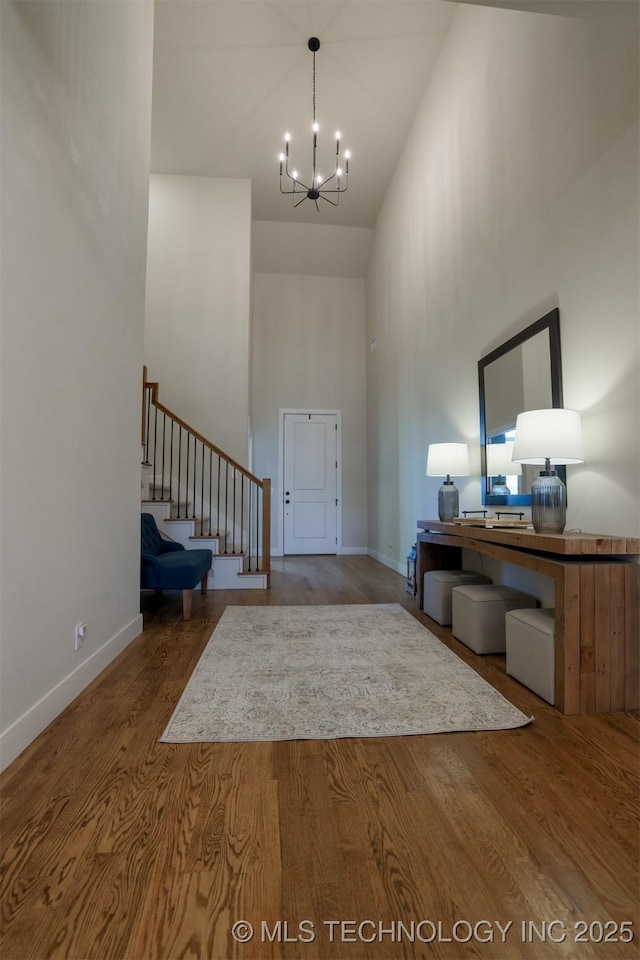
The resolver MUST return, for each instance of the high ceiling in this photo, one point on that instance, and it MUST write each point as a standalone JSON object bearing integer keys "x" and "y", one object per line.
{"x": 231, "y": 76}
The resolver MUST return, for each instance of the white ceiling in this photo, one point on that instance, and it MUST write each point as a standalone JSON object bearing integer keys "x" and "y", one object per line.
{"x": 231, "y": 76}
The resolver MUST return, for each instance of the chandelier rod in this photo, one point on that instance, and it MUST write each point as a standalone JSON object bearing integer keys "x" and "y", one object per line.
{"x": 317, "y": 189}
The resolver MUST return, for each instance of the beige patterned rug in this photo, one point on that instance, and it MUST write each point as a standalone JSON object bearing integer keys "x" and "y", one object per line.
{"x": 321, "y": 672}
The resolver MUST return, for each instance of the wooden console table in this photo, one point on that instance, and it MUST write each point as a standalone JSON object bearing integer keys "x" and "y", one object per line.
{"x": 597, "y": 599}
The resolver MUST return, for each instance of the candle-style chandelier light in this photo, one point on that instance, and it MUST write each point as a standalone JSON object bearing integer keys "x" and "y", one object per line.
{"x": 321, "y": 187}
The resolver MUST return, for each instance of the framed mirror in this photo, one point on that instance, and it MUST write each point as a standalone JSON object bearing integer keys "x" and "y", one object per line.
{"x": 524, "y": 373}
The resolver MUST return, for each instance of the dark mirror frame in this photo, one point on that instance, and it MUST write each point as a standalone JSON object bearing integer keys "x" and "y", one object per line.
{"x": 551, "y": 323}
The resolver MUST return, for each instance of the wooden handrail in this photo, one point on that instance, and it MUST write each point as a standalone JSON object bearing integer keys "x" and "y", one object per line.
{"x": 262, "y": 530}
{"x": 211, "y": 446}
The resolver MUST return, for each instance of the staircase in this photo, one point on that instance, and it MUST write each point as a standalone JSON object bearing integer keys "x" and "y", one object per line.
{"x": 201, "y": 497}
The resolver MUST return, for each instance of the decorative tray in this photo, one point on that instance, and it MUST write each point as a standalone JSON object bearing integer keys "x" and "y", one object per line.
{"x": 489, "y": 522}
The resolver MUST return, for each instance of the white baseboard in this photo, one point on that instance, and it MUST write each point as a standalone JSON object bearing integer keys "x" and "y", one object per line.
{"x": 388, "y": 562}
{"x": 26, "y": 728}
{"x": 344, "y": 551}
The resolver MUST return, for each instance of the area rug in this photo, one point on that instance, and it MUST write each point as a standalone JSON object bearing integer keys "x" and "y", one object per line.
{"x": 322, "y": 672}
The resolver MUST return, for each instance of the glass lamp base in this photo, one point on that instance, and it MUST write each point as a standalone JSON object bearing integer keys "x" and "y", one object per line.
{"x": 499, "y": 488}
{"x": 448, "y": 501}
{"x": 548, "y": 503}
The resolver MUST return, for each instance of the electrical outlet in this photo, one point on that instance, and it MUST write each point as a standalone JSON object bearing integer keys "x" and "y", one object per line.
{"x": 79, "y": 634}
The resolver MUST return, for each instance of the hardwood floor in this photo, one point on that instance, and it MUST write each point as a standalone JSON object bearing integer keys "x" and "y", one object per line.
{"x": 506, "y": 844}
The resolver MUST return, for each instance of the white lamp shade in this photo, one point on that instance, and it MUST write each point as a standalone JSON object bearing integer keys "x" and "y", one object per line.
{"x": 499, "y": 460}
{"x": 554, "y": 435}
{"x": 448, "y": 459}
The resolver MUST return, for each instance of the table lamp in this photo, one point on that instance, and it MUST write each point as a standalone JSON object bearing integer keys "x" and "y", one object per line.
{"x": 500, "y": 466}
{"x": 548, "y": 437}
{"x": 446, "y": 460}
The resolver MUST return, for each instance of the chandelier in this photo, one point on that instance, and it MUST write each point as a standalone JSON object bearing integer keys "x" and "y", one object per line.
{"x": 321, "y": 187}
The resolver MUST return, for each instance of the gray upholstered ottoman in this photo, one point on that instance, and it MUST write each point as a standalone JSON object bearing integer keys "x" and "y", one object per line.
{"x": 438, "y": 585}
{"x": 478, "y": 612}
{"x": 530, "y": 641}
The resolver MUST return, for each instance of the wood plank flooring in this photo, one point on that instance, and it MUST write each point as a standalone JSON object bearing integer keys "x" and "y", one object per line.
{"x": 508, "y": 844}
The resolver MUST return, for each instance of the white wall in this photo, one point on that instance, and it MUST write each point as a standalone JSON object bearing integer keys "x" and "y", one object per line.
{"x": 517, "y": 191}
{"x": 76, "y": 91}
{"x": 318, "y": 249}
{"x": 196, "y": 342}
{"x": 309, "y": 353}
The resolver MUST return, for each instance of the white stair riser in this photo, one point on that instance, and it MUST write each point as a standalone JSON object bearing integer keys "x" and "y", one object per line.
{"x": 159, "y": 511}
{"x": 225, "y": 572}
{"x": 257, "y": 581}
{"x": 163, "y": 510}
{"x": 145, "y": 473}
{"x": 162, "y": 491}
{"x": 226, "y": 575}
{"x": 180, "y": 530}
{"x": 226, "y": 569}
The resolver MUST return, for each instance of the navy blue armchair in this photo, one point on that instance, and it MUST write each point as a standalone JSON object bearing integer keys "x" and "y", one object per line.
{"x": 165, "y": 565}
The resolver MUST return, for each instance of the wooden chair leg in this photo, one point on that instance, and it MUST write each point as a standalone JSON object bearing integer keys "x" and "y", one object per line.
{"x": 203, "y": 584}
{"x": 186, "y": 604}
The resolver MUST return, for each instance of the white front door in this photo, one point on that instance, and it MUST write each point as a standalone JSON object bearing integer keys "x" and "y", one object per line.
{"x": 310, "y": 483}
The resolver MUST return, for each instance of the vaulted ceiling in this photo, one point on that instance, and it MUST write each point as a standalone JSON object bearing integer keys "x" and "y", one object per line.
{"x": 231, "y": 77}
